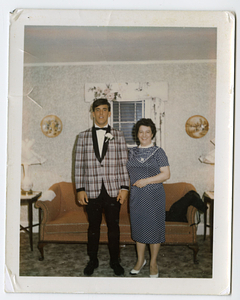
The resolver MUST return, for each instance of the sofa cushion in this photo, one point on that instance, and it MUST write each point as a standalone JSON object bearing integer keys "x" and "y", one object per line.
{"x": 73, "y": 221}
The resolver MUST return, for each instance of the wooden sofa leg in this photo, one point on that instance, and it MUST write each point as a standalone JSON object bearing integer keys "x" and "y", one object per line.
{"x": 195, "y": 249}
{"x": 40, "y": 248}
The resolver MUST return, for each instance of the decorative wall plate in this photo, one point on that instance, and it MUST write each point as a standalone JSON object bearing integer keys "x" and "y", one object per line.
{"x": 197, "y": 126}
{"x": 51, "y": 126}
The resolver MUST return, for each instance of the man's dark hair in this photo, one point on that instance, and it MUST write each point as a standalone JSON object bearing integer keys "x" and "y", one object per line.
{"x": 145, "y": 122}
{"x": 101, "y": 101}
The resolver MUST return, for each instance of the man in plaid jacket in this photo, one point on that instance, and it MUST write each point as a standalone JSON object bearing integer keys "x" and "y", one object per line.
{"x": 102, "y": 182}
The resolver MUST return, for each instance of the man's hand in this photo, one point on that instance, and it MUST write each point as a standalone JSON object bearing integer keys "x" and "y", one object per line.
{"x": 122, "y": 196}
{"x": 82, "y": 198}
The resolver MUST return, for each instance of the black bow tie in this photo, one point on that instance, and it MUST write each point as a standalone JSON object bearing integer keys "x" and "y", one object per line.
{"x": 99, "y": 128}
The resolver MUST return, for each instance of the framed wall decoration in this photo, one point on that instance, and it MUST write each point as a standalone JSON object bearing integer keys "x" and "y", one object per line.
{"x": 197, "y": 126}
{"x": 51, "y": 126}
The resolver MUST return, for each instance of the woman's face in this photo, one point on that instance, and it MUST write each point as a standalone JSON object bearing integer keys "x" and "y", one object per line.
{"x": 145, "y": 135}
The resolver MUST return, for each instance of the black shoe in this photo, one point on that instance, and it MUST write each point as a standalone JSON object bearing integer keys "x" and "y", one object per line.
{"x": 117, "y": 268}
{"x": 92, "y": 264}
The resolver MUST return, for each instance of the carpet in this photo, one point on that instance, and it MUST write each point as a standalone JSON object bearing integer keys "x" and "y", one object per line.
{"x": 69, "y": 260}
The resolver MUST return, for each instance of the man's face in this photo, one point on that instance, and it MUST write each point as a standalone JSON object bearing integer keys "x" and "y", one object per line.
{"x": 101, "y": 115}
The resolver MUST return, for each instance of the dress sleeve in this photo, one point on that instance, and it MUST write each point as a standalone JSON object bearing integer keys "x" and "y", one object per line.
{"x": 161, "y": 158}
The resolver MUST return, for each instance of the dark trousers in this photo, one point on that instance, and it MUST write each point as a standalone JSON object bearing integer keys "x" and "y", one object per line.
{"x": 111, "y": 208}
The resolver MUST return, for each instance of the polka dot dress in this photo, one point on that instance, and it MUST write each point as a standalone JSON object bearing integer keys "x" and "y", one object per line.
{"x": 147, "y": 204}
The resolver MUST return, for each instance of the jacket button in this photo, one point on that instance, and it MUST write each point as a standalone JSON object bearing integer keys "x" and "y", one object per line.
{"x": 101, "y": 165}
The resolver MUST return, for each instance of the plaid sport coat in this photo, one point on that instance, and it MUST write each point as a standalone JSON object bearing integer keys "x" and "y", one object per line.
{"x": 91, "y": 169}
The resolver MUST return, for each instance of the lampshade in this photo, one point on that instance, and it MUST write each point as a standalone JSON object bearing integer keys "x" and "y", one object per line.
{"x": 29, "y": 157}
{"x": 210, "y": 157}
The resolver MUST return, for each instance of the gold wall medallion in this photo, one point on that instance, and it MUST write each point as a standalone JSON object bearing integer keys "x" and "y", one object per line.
{"x": 197, "y": 126}
{"x": 51, "y": 126}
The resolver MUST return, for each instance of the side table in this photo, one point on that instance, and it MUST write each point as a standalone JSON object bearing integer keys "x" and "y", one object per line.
{"x": 29, "y": 199}
{"x": 208, "y": 198}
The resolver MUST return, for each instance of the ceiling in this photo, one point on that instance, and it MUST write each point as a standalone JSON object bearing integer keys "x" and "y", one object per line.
{"x": 82, "y": 44}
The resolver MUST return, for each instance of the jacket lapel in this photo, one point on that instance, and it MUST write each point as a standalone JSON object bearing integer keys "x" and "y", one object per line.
{"x": 105, "y": 144}
{"x": 95, "y": 144}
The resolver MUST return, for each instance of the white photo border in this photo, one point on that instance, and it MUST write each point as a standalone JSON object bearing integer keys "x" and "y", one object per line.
{"x": 220, "y": 283}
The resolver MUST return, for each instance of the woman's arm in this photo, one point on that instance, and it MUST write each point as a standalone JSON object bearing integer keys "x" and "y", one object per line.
{"x": 161, "y": 177}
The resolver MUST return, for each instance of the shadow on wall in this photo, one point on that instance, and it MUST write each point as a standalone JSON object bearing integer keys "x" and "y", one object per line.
{"x": 73, "y": 160}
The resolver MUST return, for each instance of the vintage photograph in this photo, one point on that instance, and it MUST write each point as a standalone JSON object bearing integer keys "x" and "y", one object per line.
{"x": 119, "y": 139}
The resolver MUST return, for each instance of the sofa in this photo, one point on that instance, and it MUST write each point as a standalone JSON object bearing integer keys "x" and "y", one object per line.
{"x": 65, "y": 221}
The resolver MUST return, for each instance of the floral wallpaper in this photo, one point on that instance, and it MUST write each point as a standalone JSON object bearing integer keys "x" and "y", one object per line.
{"x": 106, "y": 92}
{"x": 127, "y": 91}
{"x": 60, "y": 90}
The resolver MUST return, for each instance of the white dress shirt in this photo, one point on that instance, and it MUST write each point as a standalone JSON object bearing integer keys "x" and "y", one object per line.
{"x": 100, "y": 138}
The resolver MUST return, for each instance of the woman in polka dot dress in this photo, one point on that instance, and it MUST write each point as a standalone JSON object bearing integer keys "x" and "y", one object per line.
{"x": 148, "y": 168}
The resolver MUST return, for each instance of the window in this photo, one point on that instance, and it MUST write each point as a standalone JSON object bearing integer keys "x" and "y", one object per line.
{"x": 131, "y": 101}
{"x": 125, "y": 114}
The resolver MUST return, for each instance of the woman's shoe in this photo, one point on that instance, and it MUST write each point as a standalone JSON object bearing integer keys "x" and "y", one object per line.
{"x": 135, "y": 272}
{"x": 154, "y": 276}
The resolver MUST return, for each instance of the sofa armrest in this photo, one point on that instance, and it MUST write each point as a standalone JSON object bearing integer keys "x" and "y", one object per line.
{"x": 191, "y": 212}
{"x": 50, "y": 209}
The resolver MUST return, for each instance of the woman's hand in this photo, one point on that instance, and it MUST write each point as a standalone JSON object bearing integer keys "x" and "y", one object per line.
{"x": 161, "y": 177}
{"x": 141, "y": 183}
